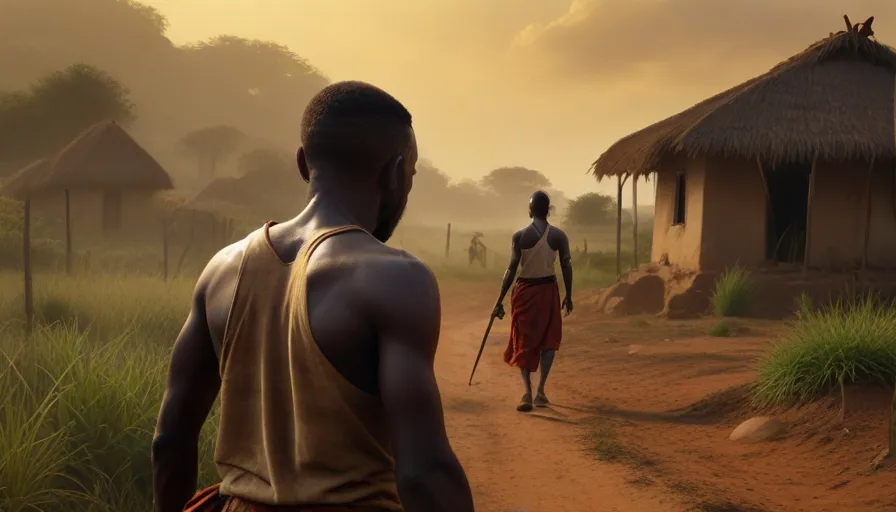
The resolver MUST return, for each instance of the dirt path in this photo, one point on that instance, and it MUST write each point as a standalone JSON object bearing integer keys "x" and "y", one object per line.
{"x": 659, "y": 398}
{"x": 522, "y": 462}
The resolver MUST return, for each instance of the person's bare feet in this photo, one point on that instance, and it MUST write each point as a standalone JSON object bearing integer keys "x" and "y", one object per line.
{"x": 525, "y": 403}
{"x": 541, "y": 400}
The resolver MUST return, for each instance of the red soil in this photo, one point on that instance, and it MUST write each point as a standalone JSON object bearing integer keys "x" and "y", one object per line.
{"x": 665, "y": 397}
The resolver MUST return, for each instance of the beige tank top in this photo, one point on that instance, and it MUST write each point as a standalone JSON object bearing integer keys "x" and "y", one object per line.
{"x": 539, "y": 260}
{"x": 293, "y": 430}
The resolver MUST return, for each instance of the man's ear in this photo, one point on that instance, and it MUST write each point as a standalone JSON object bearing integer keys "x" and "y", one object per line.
{"x": 392, "y": 175}
{"x": 302, "y": 161}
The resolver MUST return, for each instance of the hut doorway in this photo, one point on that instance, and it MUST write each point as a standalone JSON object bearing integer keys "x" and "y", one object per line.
{"x": 788, "y": 189}
{"x": 111, "y": 210}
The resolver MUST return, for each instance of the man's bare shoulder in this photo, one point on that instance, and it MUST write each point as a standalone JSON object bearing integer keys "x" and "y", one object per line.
{"x": 557, "y": 232}
{"x": 368, "y": 264}
{"x": 223, "y": 268}
{"x": 394, "y": 279}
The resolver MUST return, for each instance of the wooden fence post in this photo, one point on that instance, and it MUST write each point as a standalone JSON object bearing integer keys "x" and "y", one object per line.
{"x": 26, "y": 254}
{"x": 448, "y": 241}
{"x": 165, "y": 249}
{"x": 68, "y": 233}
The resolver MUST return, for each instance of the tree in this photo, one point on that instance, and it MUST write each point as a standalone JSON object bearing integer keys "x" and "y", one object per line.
{"x": 591, "y": 209}
{"x": 210, "y": 146}
{"x": 515, "y": 181}
{"x": 57, "y": 108}
{"x": 254, "y": 83}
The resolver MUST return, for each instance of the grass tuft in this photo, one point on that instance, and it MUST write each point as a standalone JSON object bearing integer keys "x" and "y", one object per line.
{"x": 733, "y": 293}
{"x": 828, "y": 348}
{"x": 721, "y": 330}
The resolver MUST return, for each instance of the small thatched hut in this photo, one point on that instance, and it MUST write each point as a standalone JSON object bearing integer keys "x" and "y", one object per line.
{"x": 795, "y": 165}
{"x": 258, "y": 196}
{"x": 102, "y": 182}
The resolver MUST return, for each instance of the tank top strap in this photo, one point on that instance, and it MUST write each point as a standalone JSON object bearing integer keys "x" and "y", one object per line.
{"x": 544, "y": 236}
{"x": 300, "y": 280}
{"x": 318, "y": 237}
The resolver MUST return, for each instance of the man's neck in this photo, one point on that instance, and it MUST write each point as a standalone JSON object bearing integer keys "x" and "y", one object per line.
{"x": 346, "y": 207}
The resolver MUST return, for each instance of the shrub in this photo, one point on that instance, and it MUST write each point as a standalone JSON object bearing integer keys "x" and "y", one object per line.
{"x": 840, "y": 344}
{"x": 733, "y": 293}
{"x": 720, "y": 330}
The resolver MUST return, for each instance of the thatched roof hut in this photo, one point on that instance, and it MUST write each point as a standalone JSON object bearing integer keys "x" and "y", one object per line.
{"x": 833, "y": 101}
{"x": 103, "y": 157}
{"x": 754, "y": 174}
{"x": 100, "y": 182}
{"x": 258, "y": 196}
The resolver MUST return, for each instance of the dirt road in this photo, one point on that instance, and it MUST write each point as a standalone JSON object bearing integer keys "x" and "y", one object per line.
{"x": 531, "y": 462}
{"x": 660, "y": 398}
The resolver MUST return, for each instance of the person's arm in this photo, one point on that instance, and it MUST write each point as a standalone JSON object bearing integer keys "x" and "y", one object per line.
{"x": 566, "y": 269}
{"x": 407, "y": 318}
{"x": 193, "y": 384}
{"x": 510, "y": 273}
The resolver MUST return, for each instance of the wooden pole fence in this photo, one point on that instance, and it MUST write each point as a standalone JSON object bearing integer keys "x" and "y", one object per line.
{"x": 448, "y": 241}
{"x": 26, "y": 255}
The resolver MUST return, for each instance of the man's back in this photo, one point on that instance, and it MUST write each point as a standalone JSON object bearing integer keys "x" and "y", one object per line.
{"x": 326, "y": 365}
{"x": 295, "y": 429}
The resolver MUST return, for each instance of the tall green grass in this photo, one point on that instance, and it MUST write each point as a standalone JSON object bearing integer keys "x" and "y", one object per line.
{"x": 79, "y": 399}
{"x": 828, "y": 348}
{"x": 733, "y": 293}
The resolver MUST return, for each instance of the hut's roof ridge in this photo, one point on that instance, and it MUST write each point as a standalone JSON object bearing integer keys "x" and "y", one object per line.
{"x": 103, "y": 156}
{"x": 832, "y": 100}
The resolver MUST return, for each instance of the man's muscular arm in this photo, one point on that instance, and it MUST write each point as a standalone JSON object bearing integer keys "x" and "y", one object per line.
{"x": 193, "y": 384}
{"x": 407, "y": 316}
{"x": 515, "y": 255}
{"x": 566, "y": 269}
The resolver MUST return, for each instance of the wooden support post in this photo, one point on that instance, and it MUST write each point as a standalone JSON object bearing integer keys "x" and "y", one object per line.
{"x": 808, "y": 249}
{"x": 867, "y": 224}
{"x": 26, "y": 258}
{"x": 165, "y": 249}
{"x": 586, "y": 246}
{"x": 769, "y": 211}
{"x": 619, "y": 184}
{"x": 448, "y": 241}
{"x": 634, "y": 221}
{"x": 68, "y": 233}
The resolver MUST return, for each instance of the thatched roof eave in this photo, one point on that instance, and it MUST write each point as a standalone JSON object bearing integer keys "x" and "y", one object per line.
{"x": 834, "y": 101}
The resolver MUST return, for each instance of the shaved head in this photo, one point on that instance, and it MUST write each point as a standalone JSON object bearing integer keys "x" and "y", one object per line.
{"x": 354, "y": 126}
{"x": 539, "y": 205}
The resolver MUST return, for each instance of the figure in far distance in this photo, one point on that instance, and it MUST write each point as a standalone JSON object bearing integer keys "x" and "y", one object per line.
{"x": 535, "y": 323}
{"x": 321, "y": 340}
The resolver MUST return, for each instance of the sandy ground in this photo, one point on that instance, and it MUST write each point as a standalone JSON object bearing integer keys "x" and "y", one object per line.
{"x": 616, "y": 383}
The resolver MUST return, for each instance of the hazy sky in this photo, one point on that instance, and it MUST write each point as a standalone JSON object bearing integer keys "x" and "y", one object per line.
{"x": 547, "y": 84}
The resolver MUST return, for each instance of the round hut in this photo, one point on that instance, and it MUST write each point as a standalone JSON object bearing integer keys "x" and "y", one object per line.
{"x": 795, "y": 166}
{"x": 102, "y": 183}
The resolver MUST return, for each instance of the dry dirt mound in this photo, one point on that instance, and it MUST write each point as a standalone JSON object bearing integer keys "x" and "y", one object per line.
{"x": 680, "y": 293}
{"x": 659, "y": 289}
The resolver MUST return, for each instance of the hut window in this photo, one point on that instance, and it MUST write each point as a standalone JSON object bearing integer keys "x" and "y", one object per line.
{"x": 678, "y": 215}
{"x": 111, "y": 210}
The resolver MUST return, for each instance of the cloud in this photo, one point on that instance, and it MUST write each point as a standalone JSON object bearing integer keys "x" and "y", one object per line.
{"x": 688, "y": 41}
